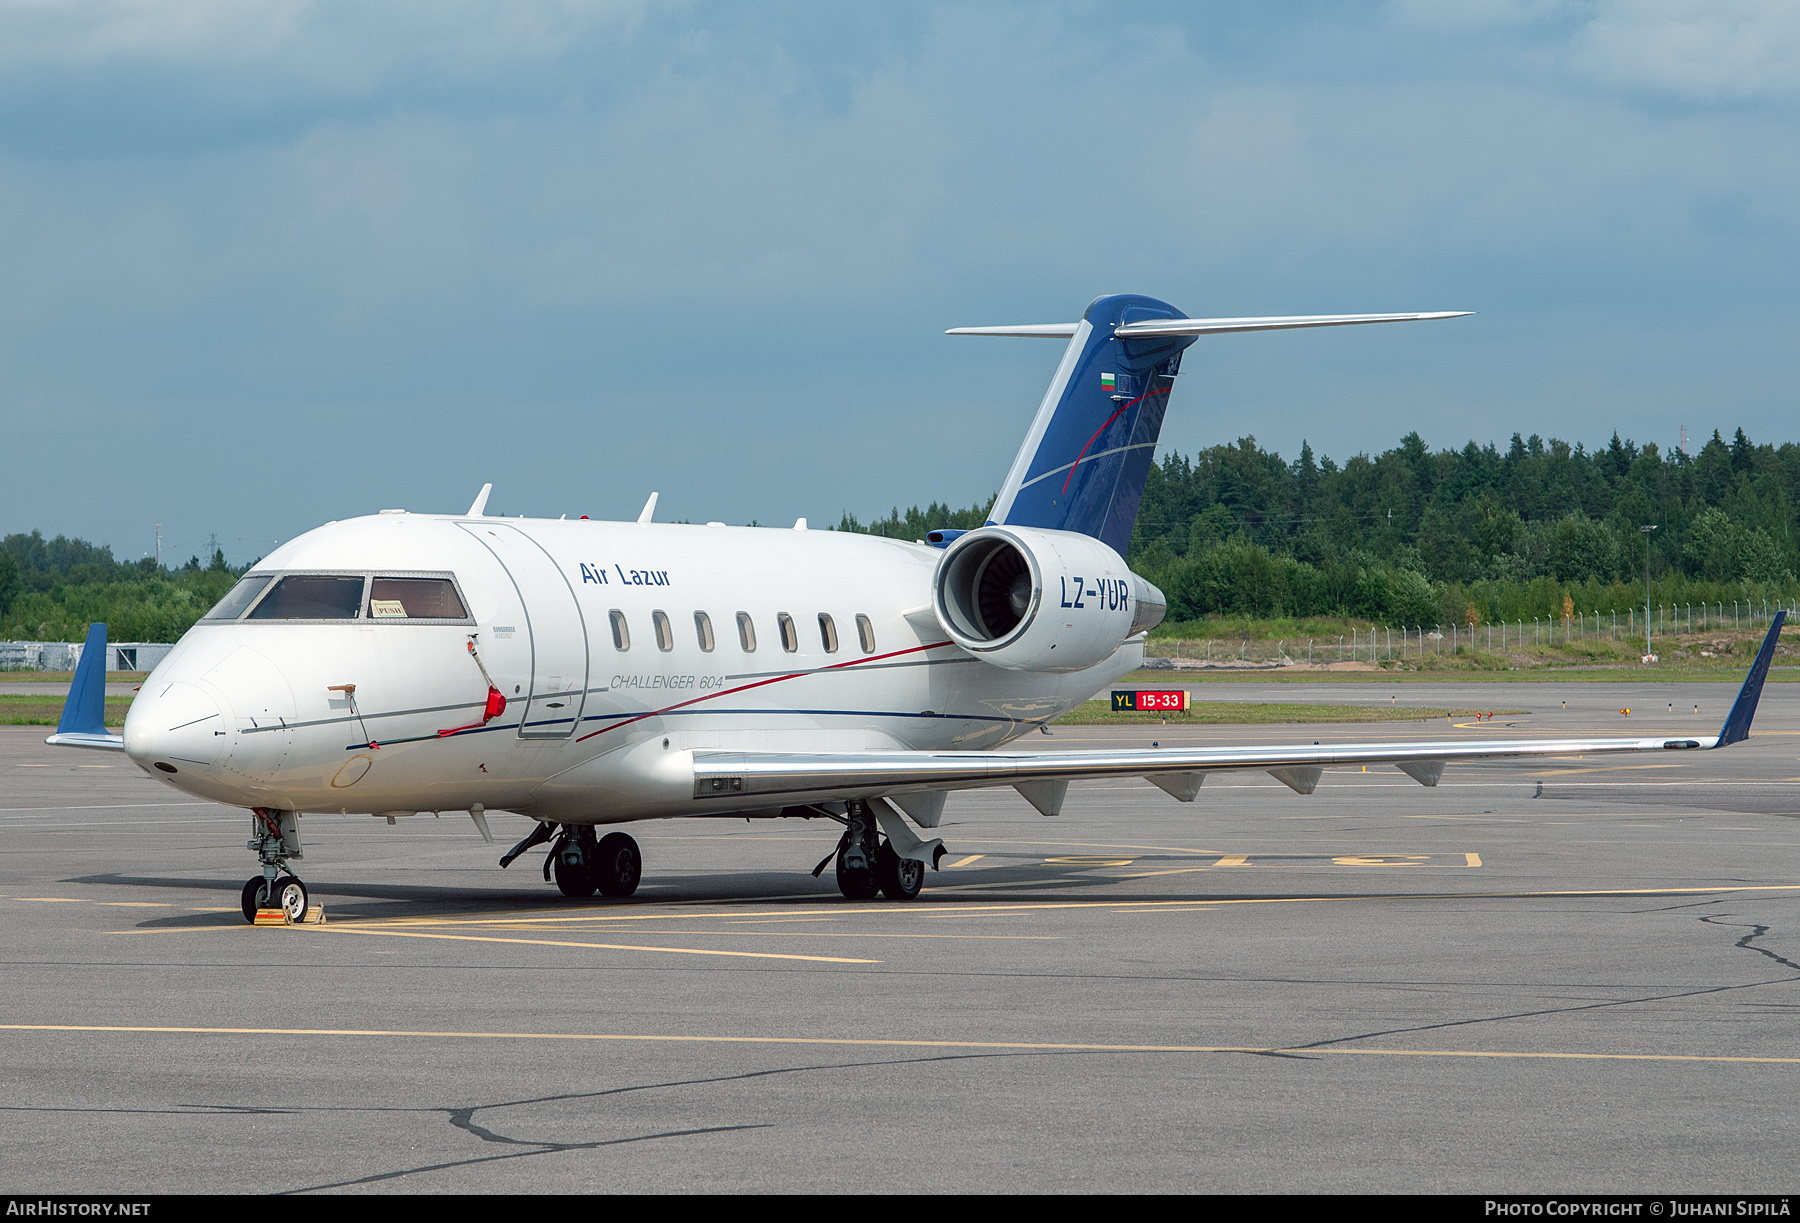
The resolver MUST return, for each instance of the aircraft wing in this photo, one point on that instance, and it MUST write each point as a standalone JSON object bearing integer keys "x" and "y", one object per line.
{"x": 1042, "y": 777}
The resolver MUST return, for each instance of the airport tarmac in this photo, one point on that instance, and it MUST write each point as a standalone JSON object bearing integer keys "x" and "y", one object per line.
{"x": 1560, "y": 976}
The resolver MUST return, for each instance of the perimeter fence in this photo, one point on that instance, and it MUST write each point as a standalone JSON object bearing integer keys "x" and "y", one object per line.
{"x": 1379, "y": 643}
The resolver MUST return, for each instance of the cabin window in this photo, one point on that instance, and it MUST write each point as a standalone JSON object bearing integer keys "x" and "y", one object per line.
{"x": 790, "y": 640}
{"x": 703, "y": 631}
{"x": 414, "y": 599}
{"x": 239, "y": 597}
{"x": 665, "y": 636}
{"x": 746, "y": 633}
{"x": 827, "y": 633}
{"x": 865, "y": 634}
{"x": 620, "y": 630}
{"x": 305, "y": 597}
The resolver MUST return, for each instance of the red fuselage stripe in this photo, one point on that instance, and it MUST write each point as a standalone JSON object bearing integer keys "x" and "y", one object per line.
{"x": 775, "y": 679}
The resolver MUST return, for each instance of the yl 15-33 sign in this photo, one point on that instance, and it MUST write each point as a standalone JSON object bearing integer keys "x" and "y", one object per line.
{"x": 1144, "y": 700}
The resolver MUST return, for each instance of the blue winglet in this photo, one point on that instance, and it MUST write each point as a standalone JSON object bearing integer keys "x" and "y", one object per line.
{"x": 1737, "y": 724}
{"x": 84, "y": 713}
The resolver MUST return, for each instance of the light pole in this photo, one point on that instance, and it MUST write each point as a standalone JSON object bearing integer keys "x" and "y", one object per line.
{"x": 1646, "y": 530}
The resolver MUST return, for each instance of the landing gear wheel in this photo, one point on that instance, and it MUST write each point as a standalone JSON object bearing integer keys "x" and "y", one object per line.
{"x": 617, "y": 865}
{"x": 256, "y": 891}
{"x": 290, "y": 897}
{"x": 575, "y": 879}
{"x": 855, "y": 884}
{"x": 899, "y": 878}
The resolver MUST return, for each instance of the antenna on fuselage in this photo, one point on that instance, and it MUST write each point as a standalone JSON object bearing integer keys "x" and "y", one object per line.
{"x": 649, "y": 509}
{"x": 480, "y": 507}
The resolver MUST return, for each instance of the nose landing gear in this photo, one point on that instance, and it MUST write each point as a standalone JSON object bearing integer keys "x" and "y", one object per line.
{"x": 275, "y": 838}
{"x": 286, "y": 893}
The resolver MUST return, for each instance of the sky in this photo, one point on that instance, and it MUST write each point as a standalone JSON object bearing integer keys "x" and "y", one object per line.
{"x": 269, "y": 263}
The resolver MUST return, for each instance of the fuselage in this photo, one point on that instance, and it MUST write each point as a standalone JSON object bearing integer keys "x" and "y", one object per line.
{"x": 614, "y": 652}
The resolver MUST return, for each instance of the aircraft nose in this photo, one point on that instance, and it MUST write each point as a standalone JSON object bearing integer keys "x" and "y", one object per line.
{"x": 177, "y": 726}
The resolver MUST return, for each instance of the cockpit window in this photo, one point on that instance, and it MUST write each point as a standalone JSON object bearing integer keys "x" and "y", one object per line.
{"x": 414, "y": 599}
{"x": 304, "y": 597}
{"x": 239, "y": 597}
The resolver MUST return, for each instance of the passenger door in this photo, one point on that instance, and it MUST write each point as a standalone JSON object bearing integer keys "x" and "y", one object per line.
{"x": 559, "y": 653}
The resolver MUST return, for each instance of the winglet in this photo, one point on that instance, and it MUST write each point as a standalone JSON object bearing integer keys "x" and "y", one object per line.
{"x": 1737, "y": 724}
{"x": 479, "y": 508}
{"x": 648, "y": 513}
{"x": 84, "y": 713}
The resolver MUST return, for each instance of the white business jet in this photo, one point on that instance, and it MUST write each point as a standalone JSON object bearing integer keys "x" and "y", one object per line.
{"x": 585, "y": 674}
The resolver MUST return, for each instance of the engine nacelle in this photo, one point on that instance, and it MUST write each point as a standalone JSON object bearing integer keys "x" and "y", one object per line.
{"x": 1029, "y": 599}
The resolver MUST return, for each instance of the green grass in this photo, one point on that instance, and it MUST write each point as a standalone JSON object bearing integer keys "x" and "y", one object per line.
{"x": 1260, "y": 713}
{"x": 26, "y": 710}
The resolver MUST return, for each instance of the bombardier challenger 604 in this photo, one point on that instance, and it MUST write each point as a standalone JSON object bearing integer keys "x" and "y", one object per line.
{"x": 589, "y": 674}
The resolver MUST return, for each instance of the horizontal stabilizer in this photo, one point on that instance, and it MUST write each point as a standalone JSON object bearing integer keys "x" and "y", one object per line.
{"x": 1029, "y": 331}
{"x": 1223, "y": 326}
{"x": 1206, "y": 326}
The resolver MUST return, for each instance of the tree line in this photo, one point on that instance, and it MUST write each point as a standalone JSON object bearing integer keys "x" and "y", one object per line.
{"x": 1408, "y": 537}
{"x": 52, "y": 589}
{"x": 1416, "y": 537}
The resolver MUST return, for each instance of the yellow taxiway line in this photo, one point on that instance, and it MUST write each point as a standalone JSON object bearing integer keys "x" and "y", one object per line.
{"x": 551, "y": 942}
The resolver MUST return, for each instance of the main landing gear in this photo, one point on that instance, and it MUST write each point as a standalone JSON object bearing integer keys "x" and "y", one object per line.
{"x": 867, "y": 864}
{"x": 610, "y": 865}
{"x": 275, "y": 838}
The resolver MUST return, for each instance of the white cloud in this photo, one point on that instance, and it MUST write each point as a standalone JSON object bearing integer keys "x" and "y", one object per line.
{"x": 325, "y": 42}
{"x": 1701, "y": 49}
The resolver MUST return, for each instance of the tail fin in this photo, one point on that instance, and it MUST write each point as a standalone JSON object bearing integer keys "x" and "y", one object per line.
{"x": 83, "y": 722}
{"x": 1085, "y": 461}
{"x": 85, "y": 710}
{"x": 1737, "y": 722}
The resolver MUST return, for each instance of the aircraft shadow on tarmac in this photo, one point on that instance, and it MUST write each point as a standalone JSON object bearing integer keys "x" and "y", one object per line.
{"x": 1774, "y": 798}
{"x": 1027, "y": 882}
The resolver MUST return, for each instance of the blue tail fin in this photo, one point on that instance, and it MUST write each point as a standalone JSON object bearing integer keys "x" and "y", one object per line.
{"x": 84, "y": 713}
{"x": 1737, "y": 722}
{"x": 1085, "y": 461}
